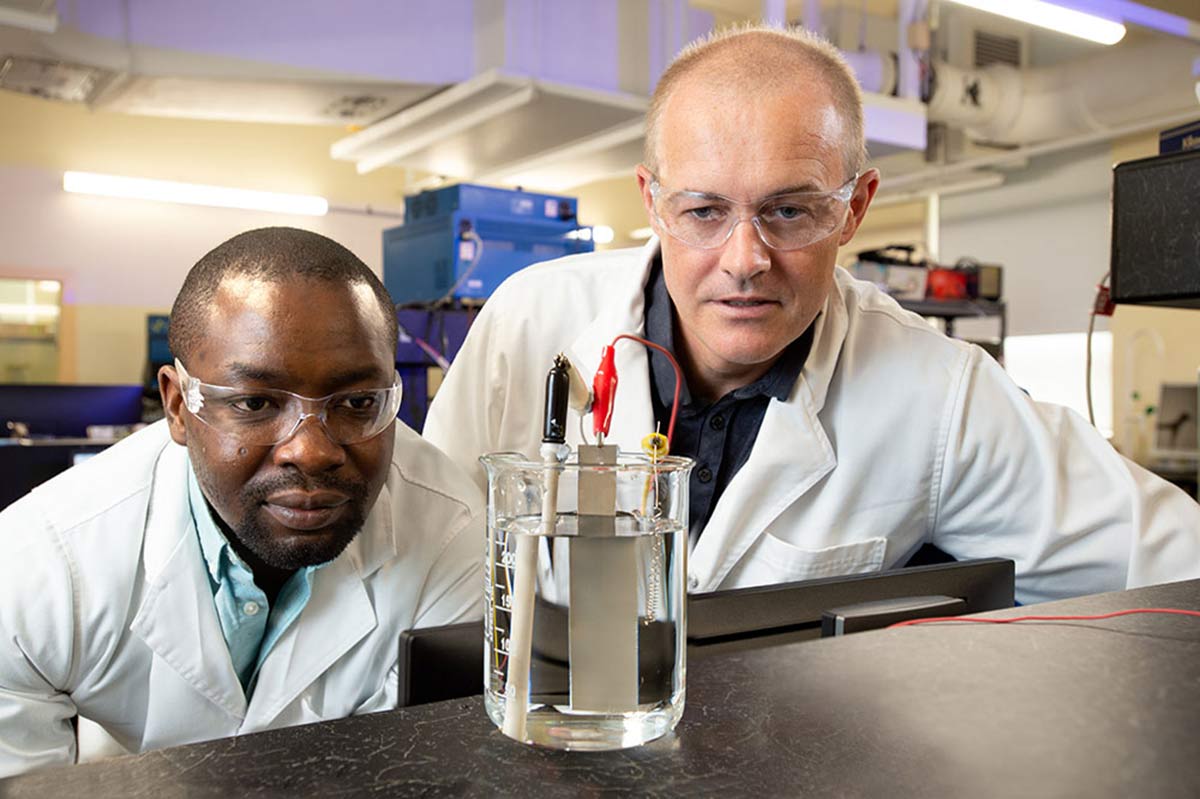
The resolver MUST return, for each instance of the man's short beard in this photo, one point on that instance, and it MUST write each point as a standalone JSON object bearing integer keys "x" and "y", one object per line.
{"x": 302, "y": 549}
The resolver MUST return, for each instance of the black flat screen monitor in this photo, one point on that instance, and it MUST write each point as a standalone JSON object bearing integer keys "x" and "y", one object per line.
{"x": 1156, "y": 231}
{"x": 446, "y": 662}
{"x": 65, "y": 410}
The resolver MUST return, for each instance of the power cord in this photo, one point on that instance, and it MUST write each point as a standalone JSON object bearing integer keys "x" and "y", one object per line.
{"x": 1013, "y": 620}
{"x": 1102, "y": 305}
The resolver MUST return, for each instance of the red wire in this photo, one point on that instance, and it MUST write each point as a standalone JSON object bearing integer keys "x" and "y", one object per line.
{"x": 1113, "y": 615}
{"x": 678, "y": 378}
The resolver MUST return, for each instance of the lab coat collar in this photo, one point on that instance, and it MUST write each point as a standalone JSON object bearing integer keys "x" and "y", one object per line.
{"x": 633, "y": 416}
{"x": 791, "y": 454}
{"x": 338, "y": 615}
{"x": 376, "y": 543}
{"x": 181, "y": 630}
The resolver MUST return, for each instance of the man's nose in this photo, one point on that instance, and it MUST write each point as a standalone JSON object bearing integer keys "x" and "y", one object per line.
{"x": 310, "y": 448}
{"x": 745, "y": 254}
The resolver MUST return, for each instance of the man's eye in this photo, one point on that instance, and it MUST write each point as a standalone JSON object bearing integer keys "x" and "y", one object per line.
{"x": 787, "y": 213}
{"x": 705, "y": 213}
{"x": 360, "y": 402}
{"x": 250, "y": 404}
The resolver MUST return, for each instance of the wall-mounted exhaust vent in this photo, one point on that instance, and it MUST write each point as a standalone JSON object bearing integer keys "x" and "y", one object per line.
{"x": 52, "y": 80}
{"x": 993, "y": 48}
{"x": 357, "y": 107}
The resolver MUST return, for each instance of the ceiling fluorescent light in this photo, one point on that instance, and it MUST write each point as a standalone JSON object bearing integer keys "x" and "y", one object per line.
{"x": 1055, "y": 17}
{"x": 193, "y": 194}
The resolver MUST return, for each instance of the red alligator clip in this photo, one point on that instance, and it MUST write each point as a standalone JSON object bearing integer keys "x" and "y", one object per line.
{"x": 604, "y": 388}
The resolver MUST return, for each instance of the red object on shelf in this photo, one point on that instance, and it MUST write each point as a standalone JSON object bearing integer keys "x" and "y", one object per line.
{"x": 946, "y": 284}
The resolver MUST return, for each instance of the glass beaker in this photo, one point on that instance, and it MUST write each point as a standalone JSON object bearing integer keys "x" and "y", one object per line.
{"x": 585, "y": 597}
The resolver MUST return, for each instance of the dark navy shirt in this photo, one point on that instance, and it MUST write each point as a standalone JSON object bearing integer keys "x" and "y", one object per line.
{"x": 718, "y": 435}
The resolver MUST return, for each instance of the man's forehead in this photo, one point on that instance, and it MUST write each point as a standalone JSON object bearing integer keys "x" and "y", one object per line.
{"x": 750, "y": 145}
{"x": 241, "y": 294}
{"x": 303, "y": 328}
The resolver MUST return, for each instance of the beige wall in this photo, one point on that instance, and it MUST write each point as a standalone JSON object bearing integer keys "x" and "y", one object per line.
{"x": 615, "y": 202}
{"x": 114, "y": 349}
{"x": 285, "y": 158}
{"x": 120, "y": 260}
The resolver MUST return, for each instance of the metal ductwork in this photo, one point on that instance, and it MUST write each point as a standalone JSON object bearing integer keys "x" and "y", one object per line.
{"x": 1003, "y": 105}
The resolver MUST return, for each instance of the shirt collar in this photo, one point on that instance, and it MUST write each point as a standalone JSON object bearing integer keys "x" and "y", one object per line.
{"x": 213, "y": 544}
{"x": 660, "y": 330}
{"x": 777, "y": 382}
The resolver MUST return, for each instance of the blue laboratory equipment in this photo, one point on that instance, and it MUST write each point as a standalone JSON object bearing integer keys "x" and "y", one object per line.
{"x": 460, "y": 242}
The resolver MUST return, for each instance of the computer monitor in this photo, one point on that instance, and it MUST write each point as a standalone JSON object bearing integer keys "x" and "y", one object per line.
{"x": 66, "y": 410}
{"x": 446, "y": 662}
{"x": 1155, "y": 218}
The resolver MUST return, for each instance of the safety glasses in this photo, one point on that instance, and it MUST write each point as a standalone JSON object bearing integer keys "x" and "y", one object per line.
{"x": 783, "y": 221}
{"x": 268, "y": 416}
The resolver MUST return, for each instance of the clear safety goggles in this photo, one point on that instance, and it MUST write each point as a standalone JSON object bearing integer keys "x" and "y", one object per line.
{"x": 268, "y": 416}
{"x": 783, "y": 221}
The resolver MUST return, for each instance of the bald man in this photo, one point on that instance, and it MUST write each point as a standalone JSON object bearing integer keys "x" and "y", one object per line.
{"x": 833, "y": 432}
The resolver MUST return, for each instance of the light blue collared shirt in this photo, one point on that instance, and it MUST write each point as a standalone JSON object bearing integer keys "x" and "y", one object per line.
{"x": 250, "y": 625}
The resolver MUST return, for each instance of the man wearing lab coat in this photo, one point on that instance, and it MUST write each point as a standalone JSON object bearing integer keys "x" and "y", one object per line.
{"x": 834, "y": 433}
{"x": 250, "y": 561}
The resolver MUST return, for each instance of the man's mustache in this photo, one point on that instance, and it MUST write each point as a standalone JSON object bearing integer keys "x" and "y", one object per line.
{"x": 258, "y": 490}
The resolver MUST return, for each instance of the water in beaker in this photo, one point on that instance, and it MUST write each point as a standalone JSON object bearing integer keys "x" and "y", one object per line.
{"x": 602, "y": 665}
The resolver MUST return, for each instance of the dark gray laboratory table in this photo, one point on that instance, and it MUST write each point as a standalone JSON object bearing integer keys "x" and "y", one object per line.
{"x": 1099, "y": 708}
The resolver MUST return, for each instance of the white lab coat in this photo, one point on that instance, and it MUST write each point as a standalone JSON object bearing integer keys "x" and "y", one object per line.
{"x": 894, "y": 436}
{"x": 106, "y": 610}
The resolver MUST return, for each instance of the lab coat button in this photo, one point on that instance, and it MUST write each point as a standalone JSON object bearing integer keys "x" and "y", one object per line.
{"x": 693, "y": 583}
{"x": 250, "y": 608}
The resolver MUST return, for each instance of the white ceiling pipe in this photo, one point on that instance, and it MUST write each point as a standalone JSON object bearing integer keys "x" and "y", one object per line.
{"x": 876, "y": 72}
{"x": 935, "y": 175}
{"x": 908, "y": 73}
{"x": 1117, "y": 87}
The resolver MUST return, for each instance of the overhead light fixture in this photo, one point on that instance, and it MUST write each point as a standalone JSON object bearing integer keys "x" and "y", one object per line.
{"x": 193, "y": 194}
{"x": 1053, "y": 17}
{"x": 641, "y": 233}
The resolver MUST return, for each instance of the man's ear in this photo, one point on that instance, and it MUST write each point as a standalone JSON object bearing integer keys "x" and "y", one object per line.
{"x": 644, "y": 179}
{"x": 172, "y": 399}
{"x": 864, "y": 192}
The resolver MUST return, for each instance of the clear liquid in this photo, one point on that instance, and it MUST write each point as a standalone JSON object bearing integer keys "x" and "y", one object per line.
{"x": 659, "y": 548}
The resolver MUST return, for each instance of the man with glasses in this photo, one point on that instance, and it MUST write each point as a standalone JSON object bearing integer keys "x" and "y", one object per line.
{"x": 250, "y": 561}
{"x": 833, "y": 432}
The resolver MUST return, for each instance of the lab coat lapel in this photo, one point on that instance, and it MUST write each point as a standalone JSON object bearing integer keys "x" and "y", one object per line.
{"x": 177, "y": 618}
{"x": 633, "y": 416}
{"x": 338, "y": 615}
{"x": 791, "y": 454}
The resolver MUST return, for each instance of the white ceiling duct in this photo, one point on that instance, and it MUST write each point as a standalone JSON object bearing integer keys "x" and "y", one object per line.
{"x": 113, "y": 76}
{"x": 495, "y": 124}
{"x": 1115, "y": 88}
